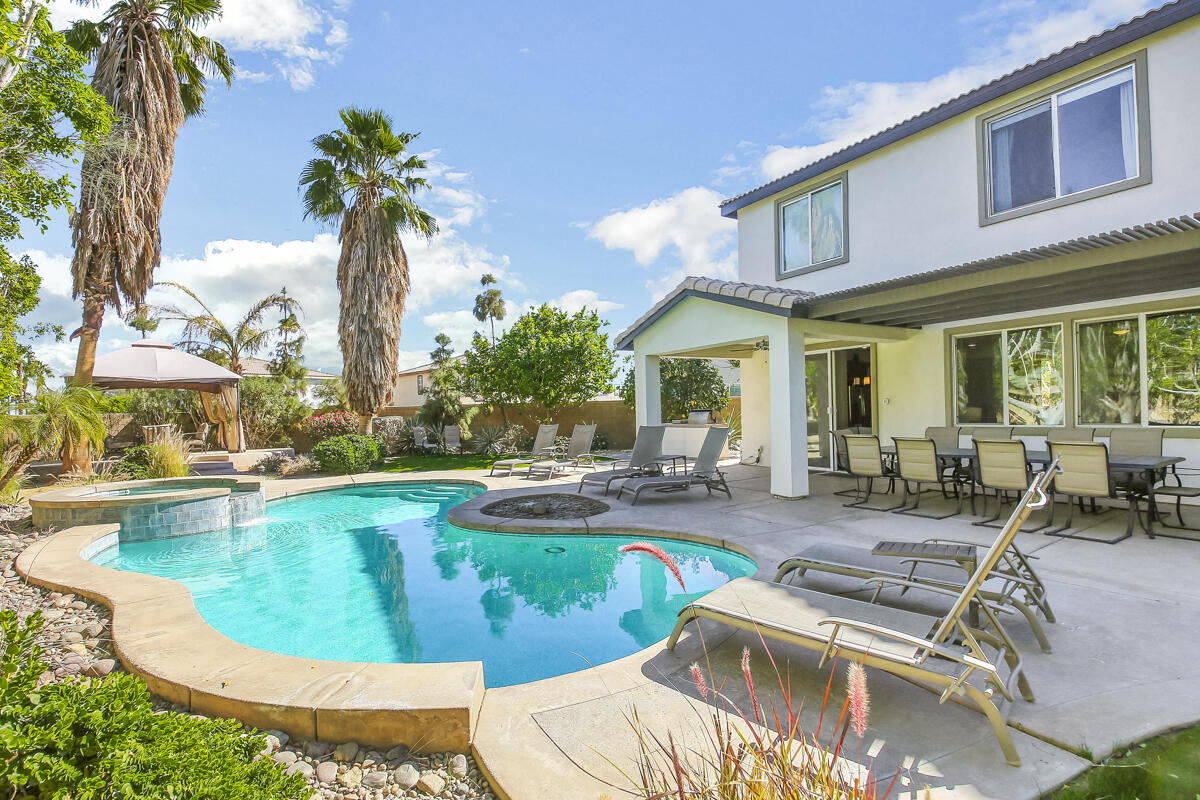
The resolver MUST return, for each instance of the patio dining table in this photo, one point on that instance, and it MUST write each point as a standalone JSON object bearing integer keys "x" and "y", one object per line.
{"x": 1148, "y": 466}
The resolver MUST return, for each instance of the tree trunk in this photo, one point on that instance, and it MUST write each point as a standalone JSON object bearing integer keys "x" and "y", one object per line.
{"x": 364, "y": 423}
{"x": 77, "y": 455}
{"x": 23, "y": 458}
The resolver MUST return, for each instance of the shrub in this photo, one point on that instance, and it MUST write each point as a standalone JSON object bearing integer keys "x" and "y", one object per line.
{"x": 347, "y": 455}
{"x": 320, "y": 427}
{"x": 269, "y": 408}
{"x": 285, "y": 465}
{"x": 498, "y": 439}
{"x": 103, "y": 740}
{"x": 165, "y": 458}
{"x": 396, "y": 433}
{"x": 600, "y": 442}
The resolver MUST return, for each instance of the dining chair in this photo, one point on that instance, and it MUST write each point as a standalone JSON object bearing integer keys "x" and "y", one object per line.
{"x": 865, "y": 462}
{"x": 841, "y": 459}
{"x": 917, "y": 463}
{"x": 1084, "y": 473}
{"x": 1002, "y": 466}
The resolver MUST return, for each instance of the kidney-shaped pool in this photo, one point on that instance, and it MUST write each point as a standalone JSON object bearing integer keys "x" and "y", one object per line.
{"x": 377, "y": 574}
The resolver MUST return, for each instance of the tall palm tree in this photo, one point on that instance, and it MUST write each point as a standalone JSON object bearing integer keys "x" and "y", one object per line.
{"x": 205, "y": 334}
{"x": 364, "y": 181}
{"x": 489, "y": 305}
{"x": 151, "y": 66}
{"x": 55, "y": 419}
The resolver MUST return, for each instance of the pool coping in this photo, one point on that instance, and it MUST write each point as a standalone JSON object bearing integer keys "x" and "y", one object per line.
{"x": 160, "y": 636}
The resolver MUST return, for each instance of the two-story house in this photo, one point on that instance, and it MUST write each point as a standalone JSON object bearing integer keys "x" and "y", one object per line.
{"x": 1026, "y": 254}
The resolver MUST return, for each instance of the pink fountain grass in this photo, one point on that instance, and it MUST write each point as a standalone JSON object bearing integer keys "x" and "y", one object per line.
{"x": 698, "y": 678}
{"x": 750, "y": 683}
{"x": 660, "y": 554}
{"x": 860, "y": 699}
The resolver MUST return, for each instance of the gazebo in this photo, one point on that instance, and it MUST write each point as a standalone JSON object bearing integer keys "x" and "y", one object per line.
{"x": 155, "y": 364}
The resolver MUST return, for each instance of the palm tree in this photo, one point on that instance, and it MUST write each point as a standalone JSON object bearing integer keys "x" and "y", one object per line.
{"x": 151, "y": 66}
{"x": 140, "y": 319}
{"x": 364, "y": 181}
{"x": 205, "y": 334}
{"x": 56, "y": 418}
{"x": 489, "y": 305}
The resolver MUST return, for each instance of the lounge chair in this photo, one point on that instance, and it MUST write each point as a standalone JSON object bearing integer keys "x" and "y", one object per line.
{"x": 942, "y": 654}
{"x": 452, "y": 439}
{"x": 944, "y": 563}
{"x": 577, "y": 453}
{"x": 643, "y": 460}
{"x": 421, "y": 441}
{"x": 543, "y": 448}
{"x": 704, "y": 471}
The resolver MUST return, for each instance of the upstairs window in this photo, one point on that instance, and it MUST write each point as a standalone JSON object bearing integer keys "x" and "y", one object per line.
{"x": 812, "y": 230}
{"x": 1077, "y": 143}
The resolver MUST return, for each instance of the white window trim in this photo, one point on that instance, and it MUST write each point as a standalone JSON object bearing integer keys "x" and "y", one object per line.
{"x": 1141, "y": 133}
{"x": 780, "y": 272}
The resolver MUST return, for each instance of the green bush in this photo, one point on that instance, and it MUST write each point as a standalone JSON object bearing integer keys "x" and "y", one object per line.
{"x": 347, "y": 455}
{"x": 102, "y": 740}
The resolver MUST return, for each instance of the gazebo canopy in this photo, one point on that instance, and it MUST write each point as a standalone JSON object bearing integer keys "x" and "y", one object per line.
{"x": 155, "y": 364}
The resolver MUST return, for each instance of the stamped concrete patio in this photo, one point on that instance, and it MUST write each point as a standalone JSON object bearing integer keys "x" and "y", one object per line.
{"x": 1124, "y": 664}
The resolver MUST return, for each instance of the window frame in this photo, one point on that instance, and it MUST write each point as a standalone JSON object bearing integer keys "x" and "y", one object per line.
{"x": 983, "y": 124}
{"x": 1142, "y": 318}
{"x": 421, "y": 387}
{"x": 1005, "y": 422}
{"x": 811, "y": 189}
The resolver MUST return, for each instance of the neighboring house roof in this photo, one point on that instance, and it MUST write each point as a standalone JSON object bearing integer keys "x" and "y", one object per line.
{"x": 796, "y": 303}
{"x": 430, "y": 367}
{"x": 253, "y": 367}
{"x": 1118, "y": 36}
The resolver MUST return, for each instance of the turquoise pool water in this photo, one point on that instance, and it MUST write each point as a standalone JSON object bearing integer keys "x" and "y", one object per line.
{"x": 378, "y": 574}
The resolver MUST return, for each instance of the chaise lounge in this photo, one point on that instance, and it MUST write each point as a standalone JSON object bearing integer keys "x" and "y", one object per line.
{"x": 704, "y": 472}
{"x": 543, "y": 448}
{"x": 643, "y": 460}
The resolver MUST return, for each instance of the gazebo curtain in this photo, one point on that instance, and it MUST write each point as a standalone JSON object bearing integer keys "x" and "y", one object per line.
{"x": 221, "y": 409}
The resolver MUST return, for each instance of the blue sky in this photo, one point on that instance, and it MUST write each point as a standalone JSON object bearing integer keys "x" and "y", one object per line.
{"x": 577, "y": 151}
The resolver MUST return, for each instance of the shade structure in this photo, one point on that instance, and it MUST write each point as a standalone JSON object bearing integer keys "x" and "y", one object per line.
{"x": 155, "y": 364}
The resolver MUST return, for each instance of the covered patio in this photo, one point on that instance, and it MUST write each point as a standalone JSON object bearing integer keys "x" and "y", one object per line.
{"x": 766, "y": 329}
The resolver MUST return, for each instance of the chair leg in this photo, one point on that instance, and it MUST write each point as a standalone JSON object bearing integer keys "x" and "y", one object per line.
{"x": 1060, "y": 532}
{"x": 914, "y": 509}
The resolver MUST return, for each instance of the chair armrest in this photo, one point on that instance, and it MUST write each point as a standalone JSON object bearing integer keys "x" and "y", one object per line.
{"x": 907, "y": 638}
{"x": 936, "y": 590}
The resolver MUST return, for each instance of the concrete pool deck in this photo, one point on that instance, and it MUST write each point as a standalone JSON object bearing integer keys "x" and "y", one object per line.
{"x": 1110, "y": 680}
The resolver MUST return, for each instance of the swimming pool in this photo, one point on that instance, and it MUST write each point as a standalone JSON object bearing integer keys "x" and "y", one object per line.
{"x": 377, "y": 574}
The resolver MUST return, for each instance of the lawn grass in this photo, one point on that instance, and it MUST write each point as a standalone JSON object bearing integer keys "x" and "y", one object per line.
{"x": 438, "y": 461}
{"x": 1167, "y": 766}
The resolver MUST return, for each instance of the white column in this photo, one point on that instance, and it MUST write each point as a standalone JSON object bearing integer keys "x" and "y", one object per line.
{"x": 648, "y": 390}
{"x": 789, "y": 417}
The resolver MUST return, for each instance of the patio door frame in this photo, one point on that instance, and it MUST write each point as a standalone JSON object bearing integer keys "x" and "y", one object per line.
{"x": 826, "y": 429}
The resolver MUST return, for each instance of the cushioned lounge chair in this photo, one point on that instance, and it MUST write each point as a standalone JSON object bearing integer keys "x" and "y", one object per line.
{"x": 578, "y": 453}
{"x": 704, "y": 472}
{"x": 543, "y": 448}
{"x": 643, "y": 460}
{"x": 948, "y": 655}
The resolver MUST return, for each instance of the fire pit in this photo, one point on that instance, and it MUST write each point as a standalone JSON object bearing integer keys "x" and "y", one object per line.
{"x": 545, "y": 506}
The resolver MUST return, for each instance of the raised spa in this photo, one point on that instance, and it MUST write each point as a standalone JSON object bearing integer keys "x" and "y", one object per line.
{"x": 377, "y": 574}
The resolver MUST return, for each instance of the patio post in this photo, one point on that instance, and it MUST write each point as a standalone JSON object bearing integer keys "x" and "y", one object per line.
{"x": 648, "y": 389}
{"x": 789, "y": 413}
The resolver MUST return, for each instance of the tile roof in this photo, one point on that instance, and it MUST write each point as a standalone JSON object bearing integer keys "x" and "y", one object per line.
{"x": 254, "y": 367}
{"x": 1117, "y": 36}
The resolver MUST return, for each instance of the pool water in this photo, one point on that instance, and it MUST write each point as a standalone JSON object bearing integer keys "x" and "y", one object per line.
{"x": 377, "y": 574}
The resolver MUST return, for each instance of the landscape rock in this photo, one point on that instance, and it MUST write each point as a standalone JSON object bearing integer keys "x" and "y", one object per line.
{"x": 98, "y": 669}
{"x": 300, "y": 767}
{"x": 351, "y": 778}
{"x": 375, "y": 779}
{"x": 458, "y": 766}
{"x": 345, "y": 751}
{"x": 431, "y": 783}
{"x": 316, "y": 749}
{"x": 327, "y": 771}
{"x": 406, "y": 776}
{"x": 285, "y": 757}
{"x": 398, "y": 753}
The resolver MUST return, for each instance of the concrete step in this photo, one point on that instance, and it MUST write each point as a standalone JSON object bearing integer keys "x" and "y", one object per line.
{"x": 213, "y": 468}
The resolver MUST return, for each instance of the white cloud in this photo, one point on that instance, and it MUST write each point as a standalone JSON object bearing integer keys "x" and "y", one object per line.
{"x": 288, "y": 32}
{"x": 578, "y": 299}
{"x": 461, "y": 326}
{"x": 687, "y": 224}
{"x": 1018, "y": 33}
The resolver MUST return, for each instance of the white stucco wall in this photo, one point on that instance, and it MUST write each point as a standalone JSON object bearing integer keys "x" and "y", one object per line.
{"x": 914, "y": 206}
{"x": 756, "y": 407}
{"x": 911, "y": 384}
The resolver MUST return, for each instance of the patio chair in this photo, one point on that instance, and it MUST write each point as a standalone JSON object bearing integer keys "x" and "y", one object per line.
{"x": 1070, "y": 434}
{"x": 941, "y": 654}
{"x": 199, "y": 439}
{"x": 944, "y": 563}
{"x": 841, "y": 459}
{"x": 1135, "y": 442}
{"x": 917, "y": 462}
{"x": 643, "y": 460}
{"x": 577, "y": 453}
{"x": 1001, "y": 465}
{"x": 865, "y": 461}
{"x": 994, "y": 432}
{"x": 945, "y": 437}
{"x": 704, "y": 471}
{"x": 421, "y": 441}
{"x": 543, "y": 448}
{"x": 452, "y": 439}
{"x": 1084, "y": 473}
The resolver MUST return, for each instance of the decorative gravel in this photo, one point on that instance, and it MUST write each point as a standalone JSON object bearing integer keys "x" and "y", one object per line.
{"x": 76, "y": 641}
{"x": 545, "y": 506}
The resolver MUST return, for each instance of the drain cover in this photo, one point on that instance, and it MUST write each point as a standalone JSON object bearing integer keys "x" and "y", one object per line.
{"x": 556, "y": 549}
